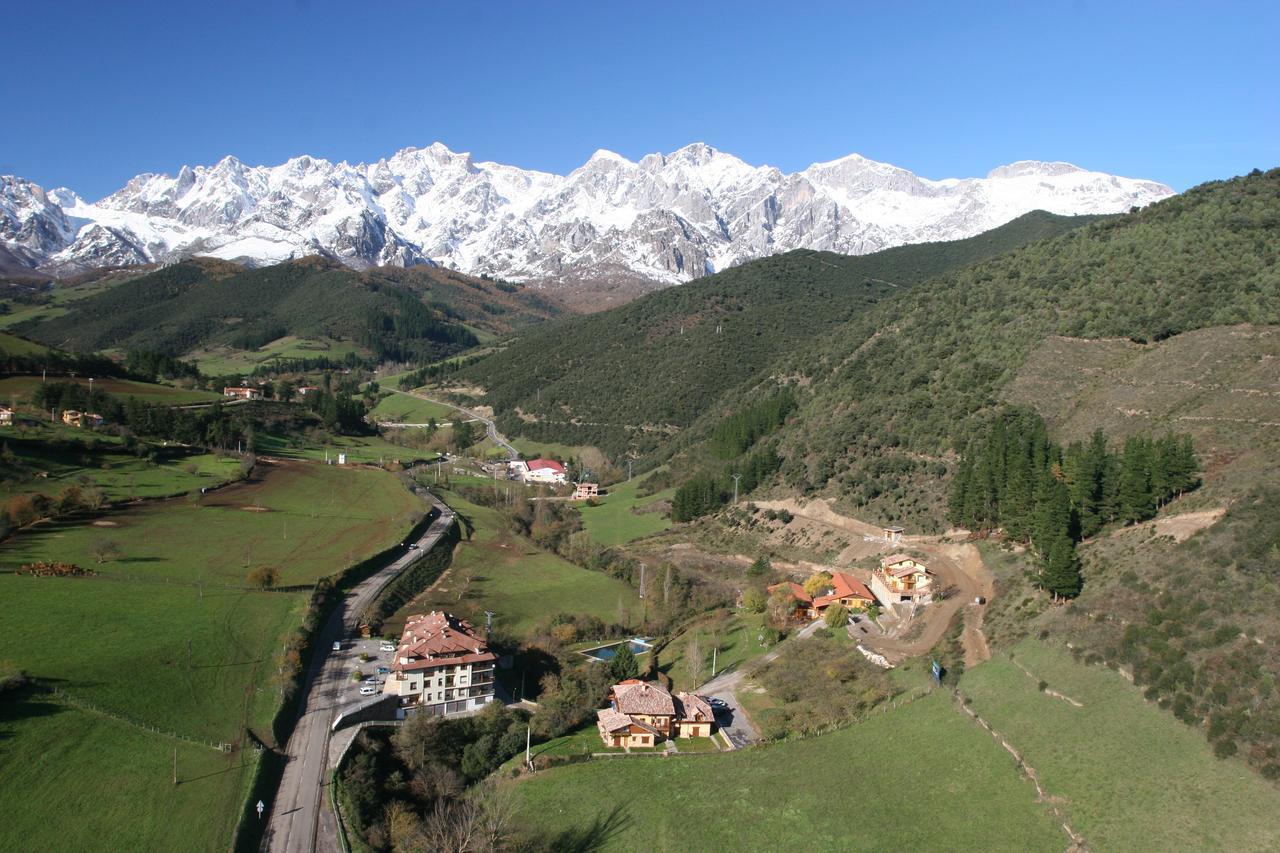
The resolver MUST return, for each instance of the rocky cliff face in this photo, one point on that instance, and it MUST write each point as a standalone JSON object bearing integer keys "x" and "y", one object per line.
{"x": 667, "y": 218}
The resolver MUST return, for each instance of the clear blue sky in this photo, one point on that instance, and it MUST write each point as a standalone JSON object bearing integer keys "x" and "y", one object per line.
{"x": 95, "y": 92}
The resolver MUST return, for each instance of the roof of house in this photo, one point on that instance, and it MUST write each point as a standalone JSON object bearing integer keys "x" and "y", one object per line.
{"x": 612, "y": 721}
{"x": 691, "y": 706}
{"x": 643, "y": 697}
{"x": 545, "y": 464}
{"x": 894, "y": 529}
{"x": 844, "y": 586}
{"x": 437, "y": 637}
{"x": 796, "y": 590}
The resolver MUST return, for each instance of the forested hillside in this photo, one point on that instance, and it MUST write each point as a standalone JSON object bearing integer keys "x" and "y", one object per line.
{"x": 401, "y": 315}
{"x": 633, "y": 375}
{"x": 899, "y": 386}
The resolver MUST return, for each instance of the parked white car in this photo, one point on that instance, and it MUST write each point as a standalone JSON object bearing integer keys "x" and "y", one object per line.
{"x": 387, "y": 647}
{"x": 368, "y": 690}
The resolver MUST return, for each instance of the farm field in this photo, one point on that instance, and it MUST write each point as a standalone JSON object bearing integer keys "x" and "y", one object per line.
{"x": 614, "y": 521}
{"x": 157, "y": 638}
{"x": 59, "y": 300}
{"x": 1130, "y": 776}
{"x": 499, "y": 571}
{"x": 403, "y": 408}
{"x": 224, "y": 360}
{"x": 763, "y": 798}
{"x": 81, "y": 756}
{"x": 368, "y": 450}
{"x": 308, "y": 521}
{"x": 529, "y": 449}
{"x": 121, "y": 476}
{"x": 20, "y": 388}
{"x": 14, "y": 345}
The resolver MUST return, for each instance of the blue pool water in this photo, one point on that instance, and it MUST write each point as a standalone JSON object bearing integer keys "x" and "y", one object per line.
{"x": 638, "y": 647}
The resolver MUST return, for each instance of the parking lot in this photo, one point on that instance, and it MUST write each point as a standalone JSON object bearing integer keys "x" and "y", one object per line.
{"x": 352, "y": 649}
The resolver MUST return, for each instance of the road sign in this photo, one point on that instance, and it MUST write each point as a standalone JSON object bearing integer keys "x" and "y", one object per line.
{"x": 261, "y": 806}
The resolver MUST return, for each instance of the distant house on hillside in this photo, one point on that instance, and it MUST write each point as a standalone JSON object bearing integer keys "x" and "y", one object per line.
{"x": 71, "y": 417}
{"x": 91, "y": 419}
{"x": 517, "y": 469}
{"x": 893, "y": 535}
{"x": 586, "y": 491}
{"x": 242, "y": 393}
{"x": 6, "y": 416}
{"x": 544, "y": 471}
{"x": 642, "y": 712}
{"x": 441, "y": 666}
{"x": 304, "y": 390}
{"x": 902, "y": 579}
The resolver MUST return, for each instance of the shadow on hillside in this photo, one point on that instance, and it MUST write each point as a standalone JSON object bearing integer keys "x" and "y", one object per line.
{"x": 595, "y": 836}
{"x": 27, "y": 702}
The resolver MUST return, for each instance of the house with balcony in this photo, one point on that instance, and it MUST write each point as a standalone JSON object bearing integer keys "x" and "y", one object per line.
{"x": 544, "y": 471}
{"x": 902, "y": 579}
{"x": 242, "y": 393}
{"x": 845, "y": 590}
{"x": 644, "y": 713}
{"x": 441, "y": 666}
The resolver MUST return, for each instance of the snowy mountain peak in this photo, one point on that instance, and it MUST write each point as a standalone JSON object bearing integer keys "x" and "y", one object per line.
{"x": 668, "y": 218}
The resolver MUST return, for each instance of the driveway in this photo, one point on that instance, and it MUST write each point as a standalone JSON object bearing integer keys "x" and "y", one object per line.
{"x": 732, "y": 720}
{"x": 299, "y": 820}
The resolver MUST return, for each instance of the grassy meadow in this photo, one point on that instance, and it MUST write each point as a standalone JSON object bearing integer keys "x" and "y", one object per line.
{"x": 920, "y": 777}
{"x": 616, "y": 520}
{"x": 368, "y": 450}
{"x": 499, "y": 571}
{"x": 19, "y": 388}
{"x": 224, "y": 360}
{"x": 157, "y": 637}
{"x": 1129, "y": 775}
{"x": 402, "y": 408}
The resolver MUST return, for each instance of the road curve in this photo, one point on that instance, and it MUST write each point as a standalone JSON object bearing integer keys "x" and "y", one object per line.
{"x": 298, "y": 821}
{"x": 489, "y": 428}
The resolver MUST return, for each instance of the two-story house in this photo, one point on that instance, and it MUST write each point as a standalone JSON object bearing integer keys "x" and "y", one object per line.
{"x": 441, "y": 666}
{"x": 902, "y": 579}
{"x": 643, "y": 713}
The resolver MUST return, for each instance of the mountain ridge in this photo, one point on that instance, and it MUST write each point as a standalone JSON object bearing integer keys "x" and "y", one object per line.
{"x": 665, "y": 219}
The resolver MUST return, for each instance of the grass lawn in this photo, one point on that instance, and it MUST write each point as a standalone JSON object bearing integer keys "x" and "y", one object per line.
{"x": 143, "y": 641}
{"x": 919, "y": 778}
{"x": 732, "y": 632}
{"x": 20, "y": 388}
{"x": 499, "y": 571}
{"x": 14, "y": 345}
{"x": 102, "y": 785}
{"x": 696, "y": 744}
{"x": 1131, "y": 777}
{"x": 403, "y": 408}
{"x": 224, "y": 360}
{"x": 614, "y": 521}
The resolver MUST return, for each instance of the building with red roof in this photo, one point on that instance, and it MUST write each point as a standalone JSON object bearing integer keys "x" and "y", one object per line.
{"x": 441, "y": 666}
{"x": 641, "y": 713}
{"x": 544, "y": 471}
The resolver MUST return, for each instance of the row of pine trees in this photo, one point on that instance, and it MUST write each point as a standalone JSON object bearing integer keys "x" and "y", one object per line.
{"x": 1012, "y": 477}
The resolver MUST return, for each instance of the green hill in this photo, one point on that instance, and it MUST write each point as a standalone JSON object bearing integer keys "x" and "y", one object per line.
{"x": 638, "y": 373}
{"x": 893, "y": 391}
{"x": 203, "y": 304}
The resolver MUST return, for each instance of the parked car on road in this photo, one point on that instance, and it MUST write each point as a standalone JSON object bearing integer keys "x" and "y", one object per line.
{"x": 413, "y": 546}
{"x": 337, "y": 645}
{"x": 718, "y": 704}
{"x": 368, "y": 690}
{"x": 384, "y": 670}
{"x": 387, "y": 647}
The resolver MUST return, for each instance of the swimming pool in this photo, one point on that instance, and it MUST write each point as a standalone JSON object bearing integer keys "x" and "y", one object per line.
{"x": 639, "y": 646}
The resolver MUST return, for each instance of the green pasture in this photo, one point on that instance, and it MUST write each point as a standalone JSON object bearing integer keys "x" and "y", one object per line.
{"x": 616, "y": 522}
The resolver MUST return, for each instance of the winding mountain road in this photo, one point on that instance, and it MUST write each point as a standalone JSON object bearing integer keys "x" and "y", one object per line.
{"x": 490, "y": 429}
{"x": 299, "y": 821}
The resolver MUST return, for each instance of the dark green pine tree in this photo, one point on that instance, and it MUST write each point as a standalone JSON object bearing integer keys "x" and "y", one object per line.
{"x": 1135, "y": 497}
{"x": 1016, "y": 507}
{"x": 958, "y": 502}
{"x": 1054, "y": 518}
{"x": 624, "y": 664}
{"x": 1061, "y": 576}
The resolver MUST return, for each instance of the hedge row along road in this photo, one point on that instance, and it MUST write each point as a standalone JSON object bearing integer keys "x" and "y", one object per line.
{"x": 295, "y": 823}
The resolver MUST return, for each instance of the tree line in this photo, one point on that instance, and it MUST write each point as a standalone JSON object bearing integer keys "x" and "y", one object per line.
{"x": 1012, "y": 477}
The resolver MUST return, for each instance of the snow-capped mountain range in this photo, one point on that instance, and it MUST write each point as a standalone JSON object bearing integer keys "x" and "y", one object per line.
{"x": 668, "y": 218}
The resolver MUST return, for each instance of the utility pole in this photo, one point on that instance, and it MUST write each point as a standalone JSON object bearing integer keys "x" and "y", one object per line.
{"x": 175, "y": 767}
{"x": 629, "y": 461}
{"x": 642, "y": 581}
{"x": 528, "y": 741}
{"x": 736, "y": 478}
{"x": 714, "y": 649}
{"x": 488, "y": 621}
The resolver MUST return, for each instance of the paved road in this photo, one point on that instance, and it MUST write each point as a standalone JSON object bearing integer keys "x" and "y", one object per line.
{"x": 489, "y": 428}
{"x": 299, "y": 820}
{"x": 731, "y": 719}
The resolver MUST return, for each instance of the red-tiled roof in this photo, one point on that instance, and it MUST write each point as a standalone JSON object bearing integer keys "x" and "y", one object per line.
{"x": 844, "y": 586}
{"x": 438, "y": 638}
{"x": 691, "y": 706}
{"x": 797, "y": 591}
{"x": 896, "y": 558}
{"x": 643, "y": 697}
{"x": 541, "y": 464}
